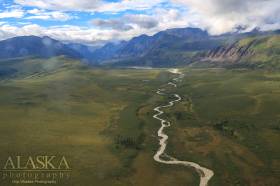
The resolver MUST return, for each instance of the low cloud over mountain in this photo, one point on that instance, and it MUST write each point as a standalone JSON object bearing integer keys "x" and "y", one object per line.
{"x": 220, "y": 16}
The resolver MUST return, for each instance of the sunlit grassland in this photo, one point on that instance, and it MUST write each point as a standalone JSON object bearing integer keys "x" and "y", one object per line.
{"x": 61, "y": 107}
{"x": 101, "y": 120}
{"x": 233, "y": 126}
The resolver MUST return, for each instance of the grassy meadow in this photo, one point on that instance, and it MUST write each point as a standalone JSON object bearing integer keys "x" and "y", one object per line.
{"x": 229, "y": 121}
{"x": 101, "y": 120}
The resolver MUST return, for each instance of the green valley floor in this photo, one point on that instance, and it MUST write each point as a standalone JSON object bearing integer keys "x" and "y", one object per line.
{"x": 102, "y": 121}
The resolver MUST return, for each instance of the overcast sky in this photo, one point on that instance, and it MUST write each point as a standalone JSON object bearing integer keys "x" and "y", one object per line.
{"x": 94, "y": 21}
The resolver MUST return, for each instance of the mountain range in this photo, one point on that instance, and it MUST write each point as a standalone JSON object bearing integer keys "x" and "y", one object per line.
{"x": 172, "y": 47}
{"x": 44, "y": 47}
{"x": 257, "y": 52}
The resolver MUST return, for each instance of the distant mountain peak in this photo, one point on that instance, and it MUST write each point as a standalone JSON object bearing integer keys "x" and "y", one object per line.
{"x": 43, "y": 47}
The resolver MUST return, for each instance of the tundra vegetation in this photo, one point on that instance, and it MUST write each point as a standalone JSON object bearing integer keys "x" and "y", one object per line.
{"x": 101, "y": 121}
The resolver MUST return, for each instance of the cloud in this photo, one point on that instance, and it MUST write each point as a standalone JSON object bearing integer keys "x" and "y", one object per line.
{"x": 34, "y": 11}
{"x": 14, "y": 13}
{"x": 115, "y": 24}
{"x": 127, "y": 22}
{"x": 220, "y": 16}
{"x": 128, "y": 5}
{"x": 63, "y": 33}
{"x": 75, "y": 5}
{"x": 49, "y": 15}
{"x": 216, "y": 16}
{"x": 90, "y": 5}
{"x": 140, "y": 24}
{"x": 143, "y": 21}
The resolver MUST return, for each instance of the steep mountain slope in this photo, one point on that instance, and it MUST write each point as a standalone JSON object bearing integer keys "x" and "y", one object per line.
{"x": 108, "y": 51}
{"x": 166, "y": 48}
{"x": 179, "y": 46}
{"x": 85, "y": 51}
{"x": 34, "y": 46}
{"x": 21, "y": 68}
{"x": 169, "y": 39}
{"x": 259, "y": 51}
